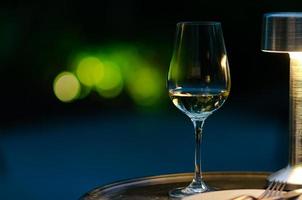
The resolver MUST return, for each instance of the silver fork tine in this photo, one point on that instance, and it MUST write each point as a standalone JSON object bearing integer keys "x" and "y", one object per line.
{"x": 271, "y": 192}
{"x": 275, "y": 191}
{"x": 271, "y": 185}
{"x": 278, "y": 190}
{"x": 281, "y": 188}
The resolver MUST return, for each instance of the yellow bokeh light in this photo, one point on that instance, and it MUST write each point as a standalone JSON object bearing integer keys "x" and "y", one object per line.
{"x": 146, "y": 86}
{"x": 90, "y": 71}
{"x": 66, "y": 86}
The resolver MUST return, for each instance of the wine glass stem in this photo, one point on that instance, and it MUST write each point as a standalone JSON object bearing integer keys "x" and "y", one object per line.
{"x": 198, "y": 125}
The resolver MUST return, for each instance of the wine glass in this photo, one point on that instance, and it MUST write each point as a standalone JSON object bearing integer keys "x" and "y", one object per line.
{"x": 198, "y": 83}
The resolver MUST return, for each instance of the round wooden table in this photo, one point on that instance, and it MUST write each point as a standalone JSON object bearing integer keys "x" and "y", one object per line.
{"x": 157, "y": 187}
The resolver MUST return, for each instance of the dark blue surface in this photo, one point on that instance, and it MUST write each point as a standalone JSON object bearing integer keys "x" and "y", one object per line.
{"x": 63, "y": 158}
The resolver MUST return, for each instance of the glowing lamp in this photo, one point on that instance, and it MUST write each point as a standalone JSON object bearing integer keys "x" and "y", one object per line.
{"x": 282, "y": 33}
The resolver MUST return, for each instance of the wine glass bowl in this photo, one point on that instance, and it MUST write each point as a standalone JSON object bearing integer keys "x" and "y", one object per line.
{"x": 198, "y": 104}
{"x": 198, "y": 82}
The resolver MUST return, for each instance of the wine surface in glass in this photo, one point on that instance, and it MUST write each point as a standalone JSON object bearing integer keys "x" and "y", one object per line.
{"x": 198, "y": 102}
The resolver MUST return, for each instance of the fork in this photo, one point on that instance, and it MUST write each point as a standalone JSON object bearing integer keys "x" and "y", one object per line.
{"x": 274, "y": 189}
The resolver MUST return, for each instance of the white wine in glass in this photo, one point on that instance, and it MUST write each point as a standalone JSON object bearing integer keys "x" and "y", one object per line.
{"x": 198, "y": 82}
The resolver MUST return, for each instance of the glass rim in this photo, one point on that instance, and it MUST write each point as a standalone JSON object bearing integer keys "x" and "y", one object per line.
{"x": 200, "y": 23}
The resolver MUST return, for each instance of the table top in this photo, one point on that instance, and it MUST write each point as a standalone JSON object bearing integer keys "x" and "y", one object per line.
{"x": 157, "y": 187}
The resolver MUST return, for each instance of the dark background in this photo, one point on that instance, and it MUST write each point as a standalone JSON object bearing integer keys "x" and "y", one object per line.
{"x": 55, "y": 150}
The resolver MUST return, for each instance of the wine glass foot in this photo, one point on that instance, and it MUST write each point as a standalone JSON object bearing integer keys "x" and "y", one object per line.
{"x": 193, "y": 188}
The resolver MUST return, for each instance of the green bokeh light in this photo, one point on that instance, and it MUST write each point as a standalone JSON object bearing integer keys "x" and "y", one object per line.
{"x": 110, "y": 93}
{"x": 111, "y": 84}
{"x": 90, "y": 71}
{"x": 112, "y": 77}
{"x": 145, "y": 86}
{"x": 144, "y": 82}
{"x": 66, "y": 86}
{"x": 110, "y": 69}
{"x": 85, "y": 91}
